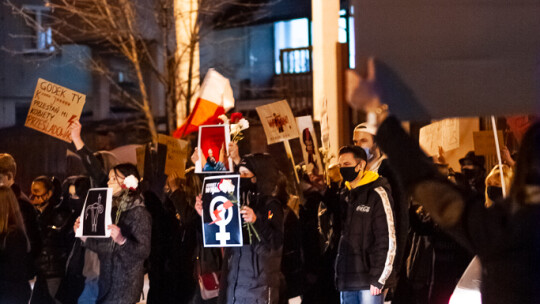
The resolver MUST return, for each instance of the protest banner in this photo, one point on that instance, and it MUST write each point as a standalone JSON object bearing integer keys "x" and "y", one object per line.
{"x": 175, "y": 162}
{"x": 96, "y": 214}
{"x": 484, "y": 142}
{"x": 221, "y": 211}
{"x": 443, "y": 133}
{"x": 54, "y": 109}
{"x": 278, "y": 122}
{"x": 310, "y": 146}
{"x": 213, "y": 149}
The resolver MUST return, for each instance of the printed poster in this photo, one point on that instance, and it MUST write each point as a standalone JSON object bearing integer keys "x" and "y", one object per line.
{"x": 278, "y": 122}
{"x": 54, "y": 108}
{"x": 96, "y": 214}
{"x": 213, "y": 149}
{"x": 221, "y": 219}
{"x": 175, "y": 161}
{"x": 443, "y": 133}
{"x": 310, "y": 147}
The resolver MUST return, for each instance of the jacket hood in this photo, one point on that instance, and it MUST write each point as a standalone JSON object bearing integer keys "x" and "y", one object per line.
{"x": 265, "y": 170}
{"x": 367, "y": 178}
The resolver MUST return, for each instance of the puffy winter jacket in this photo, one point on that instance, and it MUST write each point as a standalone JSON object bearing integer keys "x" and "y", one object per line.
{"x": 367, "y": 246}
{"x": 254, "y": 270}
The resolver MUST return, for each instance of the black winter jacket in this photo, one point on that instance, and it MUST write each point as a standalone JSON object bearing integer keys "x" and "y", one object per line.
{"x": 254, "y": 270}
{"x": 367, "y": 245}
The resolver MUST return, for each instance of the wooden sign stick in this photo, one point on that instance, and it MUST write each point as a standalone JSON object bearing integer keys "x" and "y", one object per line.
{"x": 498, "y": 149}
{"x": 290, "y": 156}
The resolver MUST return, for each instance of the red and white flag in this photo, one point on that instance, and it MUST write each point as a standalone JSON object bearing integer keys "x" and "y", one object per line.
{"x": 215, "y": 98}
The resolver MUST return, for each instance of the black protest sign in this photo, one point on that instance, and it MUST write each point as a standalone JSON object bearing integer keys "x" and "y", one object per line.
{"x": 221, "y": 212}
{"x": 96, "y": 214}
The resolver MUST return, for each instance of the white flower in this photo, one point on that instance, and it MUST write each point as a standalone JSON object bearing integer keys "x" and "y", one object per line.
{"x": 131, "y": 182}
{"x": 240, "y": 126}
{"x": 244, "y": 124}
{"x": 224, "y": 118}
{"x": 235, "y": 129}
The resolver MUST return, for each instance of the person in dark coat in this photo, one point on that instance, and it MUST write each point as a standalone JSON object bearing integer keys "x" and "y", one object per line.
{"x": 15, "y": 259}
{"x": 367, "y": 244}
{"x": 8, "y": 170}
{"x": 364, "y": 137}
{"x": 122, "y": 256}
{"x": 53, "y": 220}
{"x": 251, "y": 273}
{"x": 74, "y": 189}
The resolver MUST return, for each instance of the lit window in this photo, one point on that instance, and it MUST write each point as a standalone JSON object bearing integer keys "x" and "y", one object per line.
{"x": 290, "y": 35}
{"x": 43, "y": 33}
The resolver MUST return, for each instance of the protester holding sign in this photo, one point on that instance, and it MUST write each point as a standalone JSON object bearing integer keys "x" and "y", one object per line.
{"x": 253, "y": 270}
{"x": 122, "y": 256}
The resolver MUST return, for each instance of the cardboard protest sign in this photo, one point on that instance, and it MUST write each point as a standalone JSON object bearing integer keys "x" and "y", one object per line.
{"x": 278, "y": 122}
{"x": 213, "y": 149}
{"x": 444, "y": 133}
{"x": 96, "y": 214}
{"x": 221, "y": 212}
{"x": 484, "y": 142}
{"x": 310, "y": 147}
{"x": 175, "y": 162}
{"x": 54, "y": 108}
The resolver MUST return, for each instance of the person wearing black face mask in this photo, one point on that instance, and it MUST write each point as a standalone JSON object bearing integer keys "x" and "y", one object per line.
{"x": 52, "y": 219}
{"x": 472, "y": 173}
{"x": 367, "y": 245}
{"x": 253, "y": 270}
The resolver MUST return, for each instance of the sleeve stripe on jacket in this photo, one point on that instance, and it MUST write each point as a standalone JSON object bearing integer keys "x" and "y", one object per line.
{"x": 391, "y": 235}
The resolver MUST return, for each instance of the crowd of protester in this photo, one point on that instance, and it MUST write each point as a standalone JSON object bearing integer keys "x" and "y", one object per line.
{"x": 386, "y": 222}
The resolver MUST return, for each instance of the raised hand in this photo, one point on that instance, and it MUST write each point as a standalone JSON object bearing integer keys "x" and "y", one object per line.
{"x": 363, "y": 92}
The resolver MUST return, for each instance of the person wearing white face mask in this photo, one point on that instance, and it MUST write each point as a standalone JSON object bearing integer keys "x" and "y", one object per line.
{"x": 364, "y": 137}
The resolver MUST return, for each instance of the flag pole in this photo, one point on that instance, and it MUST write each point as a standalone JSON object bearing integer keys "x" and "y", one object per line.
{"x": 498, "y": 149}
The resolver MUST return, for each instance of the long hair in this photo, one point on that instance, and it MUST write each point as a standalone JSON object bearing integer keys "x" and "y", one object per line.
{"x": 494, "y": 178}
{"x": 10, "y": 214}
{"x": 527, "y": 165}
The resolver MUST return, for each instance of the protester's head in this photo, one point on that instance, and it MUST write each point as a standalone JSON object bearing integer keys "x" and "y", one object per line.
{"x": 352, "y": 162}
{"x": 527, "y": 165}
{"x": 494, "y": 190}
{"x": 74, "y": 190}
{"x": 364, "y": 137}
{"x": 118, "y": 174}
{"x": 8, "y": 169}
{"x": 472, "y": 165}
{"x": 10, "y": 215}
{"x": 45, "y": 189}
{"x": 258, "y": 173}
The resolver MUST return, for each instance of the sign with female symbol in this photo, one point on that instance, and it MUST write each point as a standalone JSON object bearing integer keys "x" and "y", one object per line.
{"x": 96, "y": 214}
{"x": 221, "y": 212}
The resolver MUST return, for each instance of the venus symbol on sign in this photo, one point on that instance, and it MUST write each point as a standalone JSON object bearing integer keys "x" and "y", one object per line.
{"x": 221, "y": 215}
